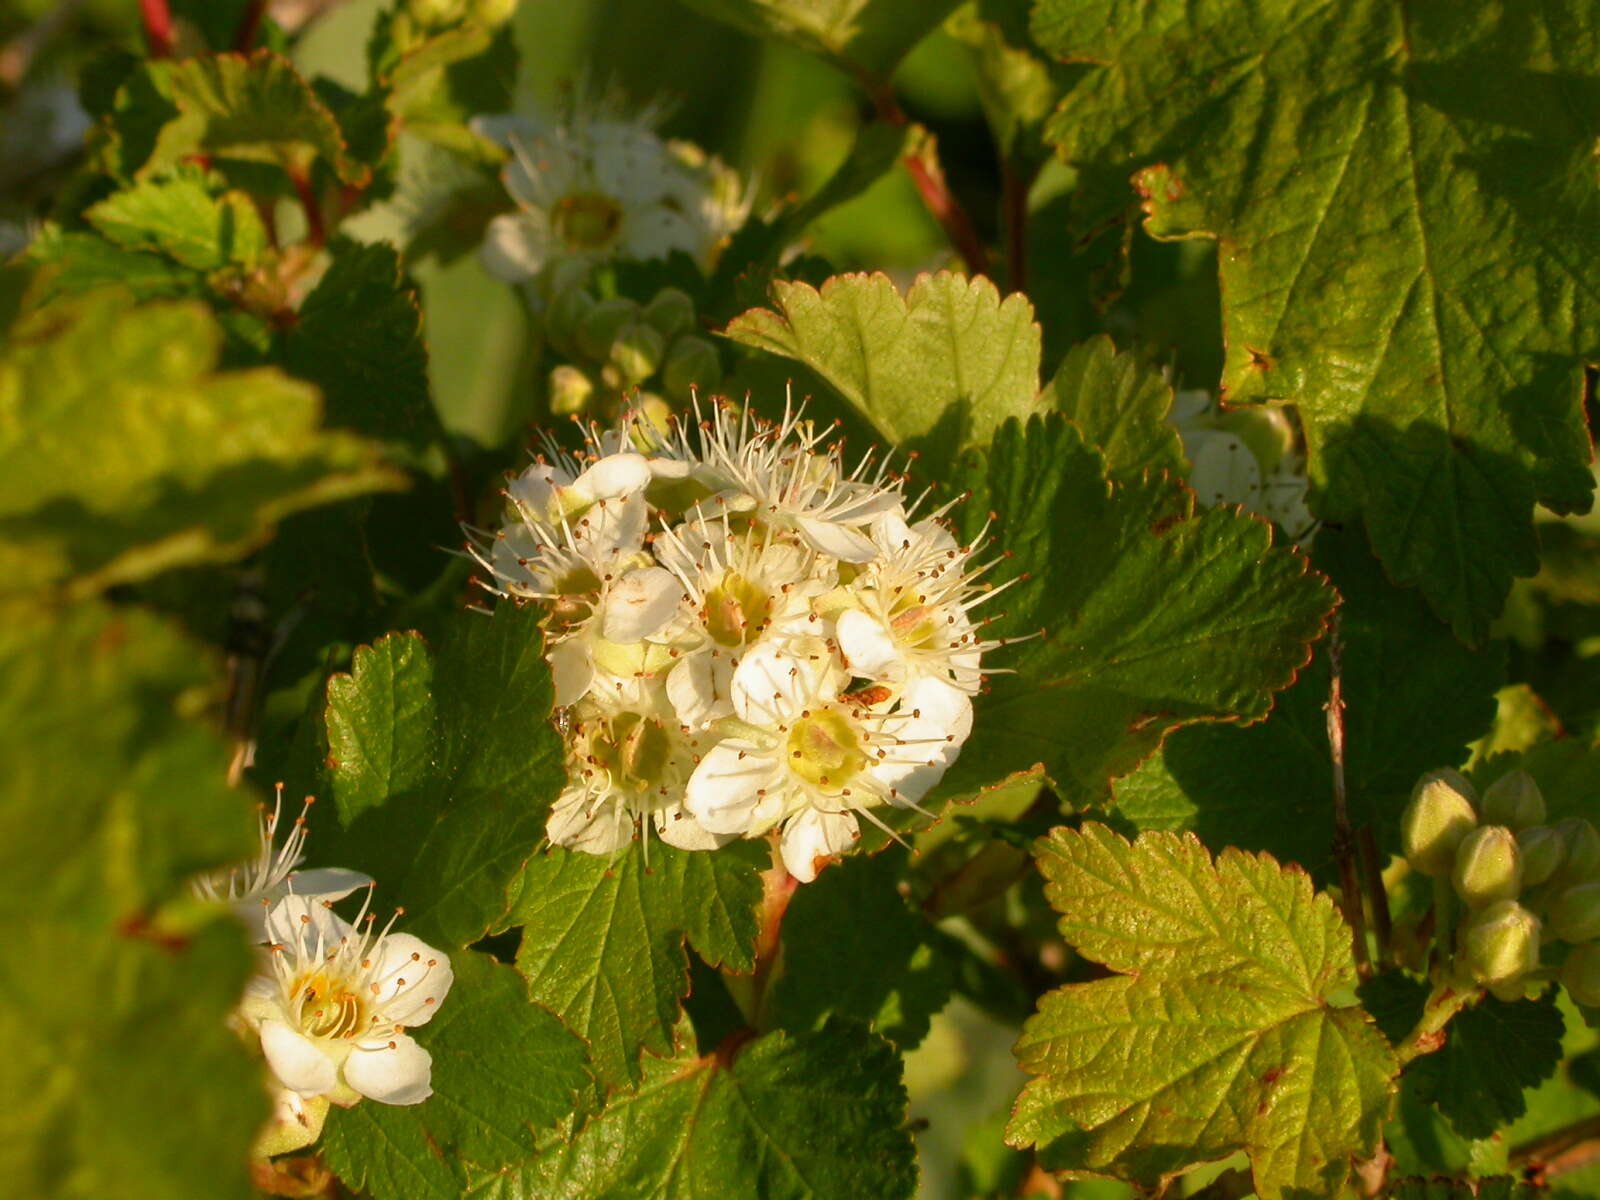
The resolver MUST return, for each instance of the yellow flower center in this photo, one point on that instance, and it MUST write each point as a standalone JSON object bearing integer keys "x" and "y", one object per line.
{"x": 586, "y": 220}
{"x": 328, "y": 1007}
{"x": 635, "y": 751}
{"x": 736, "y": 610}
{"x": 825, "y": 749}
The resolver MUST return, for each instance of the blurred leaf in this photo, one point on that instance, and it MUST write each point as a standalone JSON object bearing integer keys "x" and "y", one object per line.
{"x": 602, "y": 939}
{"x": 1121, "y": 406}
{"x": 1501, "y": 1187}
{"x": 866, "y": 38}
{"x": 1215, "y": 1034}
{"x": 1414, "y": 698}
{"x": 503, "y": 1069}
{"x": 1367, "y": 167}
{"x": 179, "y": 217}
{"x": 1131, "y": 613}
{"x": 1018, "y": 83}
{"x": 788, "y": 1116}
{"x": 123, "y": 452}
{"x": 442, "y": 767}
{"x": 80, "y": 262}
{"x": 888, "y": 972}
{"x": 935, "y": 371}
{"x": 1521, "y": 721}
{"x": 110, "y": 800}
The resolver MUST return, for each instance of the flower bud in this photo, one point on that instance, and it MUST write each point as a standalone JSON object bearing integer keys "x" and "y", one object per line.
{"x": 1543, "y": 850}
{"x": 1438, "y": 817}
{"x": 1513, "y": 800}
{"x": 1575, "y": 914}
{"x": 692, "y": 362}
{"x": 1580, "y": 974}
{"x": 567, "y": 311}
{"x": 636, "y": 352}
{"x": 670, "y": 312}
{"x": 1500, "y": 943}
{"x": 1582, "y": 845}
{"x": 570, "y": 390}
{"x": 1488, "y": 866}
{"x": 493, "y": 12}
{"x": 600, "y": 326}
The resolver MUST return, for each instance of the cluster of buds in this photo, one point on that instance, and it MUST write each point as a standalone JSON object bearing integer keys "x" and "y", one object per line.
{"x": 615, "y": 347}
{"x": 746, "y": 636}
{"x": 331, "y": 1000}
{"x": 1245, "y": 456}
{"x": 1527, "y": 886}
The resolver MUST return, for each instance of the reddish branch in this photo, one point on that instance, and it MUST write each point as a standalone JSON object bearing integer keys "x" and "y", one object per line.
{"x": 157, "y": 27}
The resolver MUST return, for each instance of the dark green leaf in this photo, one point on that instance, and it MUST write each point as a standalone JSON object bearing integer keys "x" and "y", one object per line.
{"x": 1120, "y": 404}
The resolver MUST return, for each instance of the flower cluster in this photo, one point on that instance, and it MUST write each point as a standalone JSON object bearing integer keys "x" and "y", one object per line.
{"x": 595, "y": 187}
{"x": 1526, "y": 886}
{"x": 332, "y": 1000}
{"x": 1247, "y": 457}
{"x": 745, "y": 634}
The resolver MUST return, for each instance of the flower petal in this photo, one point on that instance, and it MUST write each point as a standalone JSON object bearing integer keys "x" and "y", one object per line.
{"x": 397, "y": 1071}
{"x": 678, "y": 828}
{"x": 586, "y": 825}
{"x": 867, "y": 646}
{"x": 831, "y": 538}
{"x": 572, "y": 668}
{"x": 299, "y": 1063}
{"x": 516, "y": 246}
{"x": 733, "y": 790}
{"x": 614, "y": 475}
{"x": 415, "y": 979}
{"x": 640, "y": 604}
{"x": 811, "y": 837}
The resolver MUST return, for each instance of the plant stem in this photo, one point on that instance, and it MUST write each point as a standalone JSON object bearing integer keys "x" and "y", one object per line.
{"x": 1377, "y": 898}
{"x": 1558, "y": 1153}
{"x": 249, "y": 25}
{"x": 1444, "y": 904}
{"x": 157, "y": 27}
{"x": 1443, "y": 1003}
{"x": 1016, "y": 206}
{"x": 1344, "y": 842}
{"x": 749, "y": 992}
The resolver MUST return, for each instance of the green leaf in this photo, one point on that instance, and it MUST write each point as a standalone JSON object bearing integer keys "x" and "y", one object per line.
{"x": 602, "y": 939}
{"x": 937, "y": 370}
{"x": 889, "y": 972}
{"x": 866, "y": 38}
{"x": 1414, "y": 698}
{"x": 179, "y": 217}
{"x": 359, "y": 338}
{"x": 442, "y": 767}
{"x": 1018, "y": 84}
{"x": 1494, "y": 1052}
{"x": 1141, "y": 613}
{"x": 1521, "y": 721}
{"x": 227, "y": 108}
{"x": 1216, "y": 1033}
{"x": 124, "y": 452}
{"x": 791, "y": 1115}
{"x": 116, "y": 998}
{"x": 80, "y": 262}
{"x": 1367, "y": 167}
{"x": 1120, "y": 404}
{"x": 503, "y": 1069}
{"x": 1498, "y": 1187}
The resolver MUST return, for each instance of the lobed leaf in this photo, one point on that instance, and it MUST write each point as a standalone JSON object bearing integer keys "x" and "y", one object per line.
{"x": 1120, "y": 404}
{"x": 181, "y": 218}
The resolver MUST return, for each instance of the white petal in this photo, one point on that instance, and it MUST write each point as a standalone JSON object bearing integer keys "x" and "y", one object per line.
{"x": 935, "y": 735}
{"x": 572, "y": 668}
{"x": 416, "y": 978}
{"x": 844, "y": 544}
{"x": 397, "y": 1071}
{"x": 300, "y": 920}
{"x": 1225, "y": 472}
{"x": 692, "y": 688}
{"x": 588, "y": 826}
{"x": 867, "y": 646}
{"x": 614, "y": 475}
{"x": 725, "y": 792}
{"x": 503, "y": 129}
{"x": 770, "y": 687}
{"x": 811, "y": 837}
{"x": 516, "y": 246}
{"x": 299, "y": 1063}
{"x": 326, "y": 883}
{"x": 678, "y": 828}
{"x": 640, "y": 604}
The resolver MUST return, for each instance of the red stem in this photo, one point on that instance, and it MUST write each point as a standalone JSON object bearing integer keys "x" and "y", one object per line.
{"x": 316, "y": 232}
{"x": 249, "y": 25}
{"x": 157, "y": 27}
{"x": 1016, "y": 202}
{"x": 947, "y": 210}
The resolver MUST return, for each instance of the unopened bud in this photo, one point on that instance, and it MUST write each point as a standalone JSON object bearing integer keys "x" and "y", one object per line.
{"x": 570, "y": 390}
{"x": 493, "y": 12}
{"x": 1513, "y": 800}
{"x": 1580, "y": 974}
{"x": 1488, "y": 866}
{"x": 1439, "y": 816}
{"x": 670, "y": 311}
{"x": 1543, "y": 849}
{"x": 566, "y": 313}
{"x": 1582, "y": 857}
{"x": 636, "y": 352}
{"x": 1500, "y": 943}
{"x": 1575, "y": 914}
{"x": 692, "y": 362}
{"x": 600, "y": 326}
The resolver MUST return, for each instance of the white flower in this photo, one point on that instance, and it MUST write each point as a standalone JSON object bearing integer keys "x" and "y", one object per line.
{"x": 332, "y": 1005}
{"x": 1246, "y": 457}
{"x": 596, "y": 187}
{"x": 807, "y": 758}
{"x": 253, "y": 887}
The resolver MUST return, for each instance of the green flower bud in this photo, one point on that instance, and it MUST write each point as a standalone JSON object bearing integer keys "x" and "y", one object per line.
{"x": 600, "y": 326}
{"x": 1439, "y": 816}
{"x": 570, "y": 390}
{"x": 692, "y": 362}
{"x": 636, "y": 352}
{"x": 1575, "y": 914}
{"x": 1513, "y": 800}
{"x": 1580, "y": 974}
{"x": 1500, "y": 943}
{"x": 567, "y": 311}
{"x": 1582, "y": 844}
{"x": 670, "y": 312}
{"x": 1543, "y": 850}
{"x": 1488, "y": 866}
